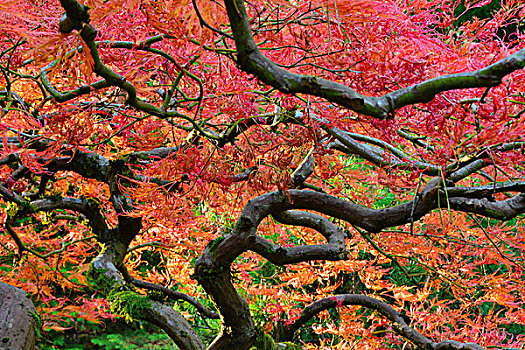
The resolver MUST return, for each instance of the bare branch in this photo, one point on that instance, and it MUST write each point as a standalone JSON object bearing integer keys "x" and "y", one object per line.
{"x": 329, "y": 230}
{"x": 346, "y": 144}
{"x": 23, "y": 248}
{"x": 291, "y": 255}
{"x": 205, "y": 24}
{"x": 245, "y": 175}
{"x": 90, "y": 165}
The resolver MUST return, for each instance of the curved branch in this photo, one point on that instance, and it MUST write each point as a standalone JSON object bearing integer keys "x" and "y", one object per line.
{"x": 372, "y": 220}
{"x": 212, "y": 269}
{"x": 467, "y": 170}
{"x": 329, "y": 230}
{"x": 400, "y": 326}
{"x": 205, "y": 24}
{"x": 379, "y": 143}
{"x": 89, "y": 208}
{"x": 174, "y": 324}
{"x": 90, "y": 165}
{"x": 282, "y": 256}
{"x": 174, "y": 295}
{"x": 238, "y": 329}
{"x": 252, "y": 61}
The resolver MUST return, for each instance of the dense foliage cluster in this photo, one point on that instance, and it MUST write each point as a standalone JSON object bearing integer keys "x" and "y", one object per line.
{"x": 315, "y": 174}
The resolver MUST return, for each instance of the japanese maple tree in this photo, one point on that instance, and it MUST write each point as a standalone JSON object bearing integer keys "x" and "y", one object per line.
{"x": 303, "y": 174}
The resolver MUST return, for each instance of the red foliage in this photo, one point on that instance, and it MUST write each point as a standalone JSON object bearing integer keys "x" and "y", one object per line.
{"x": 455, "y": 275}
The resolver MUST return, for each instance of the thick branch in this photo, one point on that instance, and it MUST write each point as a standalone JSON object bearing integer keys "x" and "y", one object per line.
{"x": 277, "y": 202}
{"x": 329, "y": 230}
{"x": 104, "y": 273}
{"x": 175, "y": 325}
{"x": 254, "y": 62}
{"x": 238, "y": 329}
{"x": 159, "y": 153}
{"x": 282, "y": 256}
{"x": 90, "y": 209}
{"x": 219, "y": 254}
{"x": 90, "y": 165}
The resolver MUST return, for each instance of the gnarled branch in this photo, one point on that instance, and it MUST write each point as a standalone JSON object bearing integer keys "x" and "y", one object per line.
{"x": 252, "y": 61}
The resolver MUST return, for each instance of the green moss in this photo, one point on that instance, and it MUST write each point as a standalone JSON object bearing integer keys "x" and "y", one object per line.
{"x": 213, "y": 245}
{"x": 263, "y": 341}
{"x": 99, "y": 281}
{"x": 37, "y": 325}
{"x": 128, "y": 304}
{"x": 158, "y": 296}
{"x": 287, "y": 346}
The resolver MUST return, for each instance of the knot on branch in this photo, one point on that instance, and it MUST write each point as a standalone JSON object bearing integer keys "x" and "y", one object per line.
{"x": 68, "y": 24}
